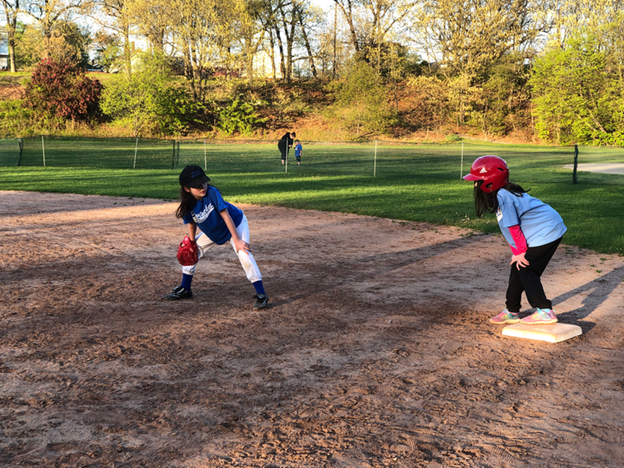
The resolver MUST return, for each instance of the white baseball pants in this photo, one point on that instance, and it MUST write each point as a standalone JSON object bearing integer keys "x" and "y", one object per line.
{"x": 247, "y": 260}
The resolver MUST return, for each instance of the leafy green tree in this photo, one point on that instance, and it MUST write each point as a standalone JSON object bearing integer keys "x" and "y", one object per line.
{"x": 108, "y": 50}
{"x": 241, "y": 116}
{"x": 575, "y": 95}
{"x": 28, "y": 45}
{"x": 70, "y": 43}
{"x": 148, "y": 102}
{"x": 504, "y": 100}
{"x": 362, "y": 103}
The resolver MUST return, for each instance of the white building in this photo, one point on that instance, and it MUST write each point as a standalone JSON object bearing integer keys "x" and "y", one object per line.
{"x": 4, "y": 53}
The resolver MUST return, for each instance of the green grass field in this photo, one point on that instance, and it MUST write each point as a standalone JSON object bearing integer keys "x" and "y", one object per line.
{"x": 411, "y": 182}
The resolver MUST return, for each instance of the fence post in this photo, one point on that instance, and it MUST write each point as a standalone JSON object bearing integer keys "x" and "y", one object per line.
{"x": 136, "y": 148}
{"x": 574, "y": 181}
{"x": 178, "y": 156}
{"x": 461, "y": 166}
{"x": 43, "y": 148}
{"x": 286, "y": 162}
{"x": 375, "y": 161}
{"x": 173, "y": 157}
{"x": 20, "y": 142}
{"x": 205, "y": 163}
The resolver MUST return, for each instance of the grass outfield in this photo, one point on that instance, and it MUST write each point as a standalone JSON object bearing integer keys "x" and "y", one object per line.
{"x": 413, "y": 182}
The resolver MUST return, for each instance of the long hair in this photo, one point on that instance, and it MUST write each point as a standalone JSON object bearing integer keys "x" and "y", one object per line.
{"x": 488, "y": 202}
{"x": 187, "y": 203}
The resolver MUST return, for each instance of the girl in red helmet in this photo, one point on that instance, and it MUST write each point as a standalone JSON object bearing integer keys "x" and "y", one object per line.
{"x": 533, "y": 230}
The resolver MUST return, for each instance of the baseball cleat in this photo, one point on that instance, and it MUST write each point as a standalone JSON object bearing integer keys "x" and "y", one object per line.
{"x": 179, "y": 293}
{"x": 505, "y": 317}
{"x": 262, "y": 300}
{"x": 541, "y": 317}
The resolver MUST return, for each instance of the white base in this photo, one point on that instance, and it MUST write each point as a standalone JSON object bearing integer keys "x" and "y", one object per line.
{"x": 553, "y": 333}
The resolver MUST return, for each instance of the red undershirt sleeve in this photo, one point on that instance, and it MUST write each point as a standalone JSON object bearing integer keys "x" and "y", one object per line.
{"x": 519, "y": 240}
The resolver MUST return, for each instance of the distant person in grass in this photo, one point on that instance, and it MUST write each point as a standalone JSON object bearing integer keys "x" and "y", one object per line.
{"x": 286, "y": 142}
{"x": 298, "y": 152}
{"x": 531, "y": 227}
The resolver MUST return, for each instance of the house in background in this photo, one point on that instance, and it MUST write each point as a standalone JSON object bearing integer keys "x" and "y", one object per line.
{"x": 4, "y": 53}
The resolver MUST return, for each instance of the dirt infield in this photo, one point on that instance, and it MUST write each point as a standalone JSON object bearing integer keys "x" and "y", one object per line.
{"x": 376, "y": 350}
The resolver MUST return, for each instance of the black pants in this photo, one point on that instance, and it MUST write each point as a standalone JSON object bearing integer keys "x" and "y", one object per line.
{"x": 527, "y": 279}
{"x": 283, "y": 147}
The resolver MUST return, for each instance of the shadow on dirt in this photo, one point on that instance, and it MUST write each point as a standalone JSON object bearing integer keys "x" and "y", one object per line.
{"x": 600, "y": 289}
{"x": 368, "y": 266}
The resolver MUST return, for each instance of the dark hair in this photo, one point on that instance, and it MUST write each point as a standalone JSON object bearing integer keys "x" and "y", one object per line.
{"x": 488, "y": 202}
{"x": 187, "y": 202}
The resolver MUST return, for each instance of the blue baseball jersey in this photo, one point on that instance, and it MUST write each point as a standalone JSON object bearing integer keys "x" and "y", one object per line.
{"x": 206, "y": 214}
{"x": 298, "y": 149}
{"x": 540, "y": 223}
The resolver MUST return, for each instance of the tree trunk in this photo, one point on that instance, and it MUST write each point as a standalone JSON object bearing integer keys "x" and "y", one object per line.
{"x": 11, "y": 30}
{"x": 349, "y": 17}
{"x": 272, "y": 55}
{"x": 280, "y": 46}
{"x": 290, "y": 38}
{"x": 127, "y": 49}
{"x": 307, "y": 46}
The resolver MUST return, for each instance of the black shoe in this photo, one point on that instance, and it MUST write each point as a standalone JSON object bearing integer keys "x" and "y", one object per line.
{"x": 179, "y": 293}
{"x": 262, "y": 300}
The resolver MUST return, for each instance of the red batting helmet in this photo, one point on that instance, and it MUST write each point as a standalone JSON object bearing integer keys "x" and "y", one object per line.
{"x": 492, "y": 170}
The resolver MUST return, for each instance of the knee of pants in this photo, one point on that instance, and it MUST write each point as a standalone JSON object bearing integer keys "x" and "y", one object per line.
{"x": 189, "y": 270}
{"x": 251, "y": 268}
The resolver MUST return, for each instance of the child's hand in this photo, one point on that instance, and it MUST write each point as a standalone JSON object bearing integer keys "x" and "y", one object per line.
{"x": 241, "y": 245}
{"x": 519, "y": 260}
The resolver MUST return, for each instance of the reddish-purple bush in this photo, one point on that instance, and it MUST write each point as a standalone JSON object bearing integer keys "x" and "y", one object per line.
{"x": 62, "y": 90}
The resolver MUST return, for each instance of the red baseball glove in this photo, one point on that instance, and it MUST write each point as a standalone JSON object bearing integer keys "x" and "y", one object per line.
{"x": 187, "y": 252}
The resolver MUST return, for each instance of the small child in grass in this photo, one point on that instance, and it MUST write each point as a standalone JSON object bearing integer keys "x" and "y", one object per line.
{"x": 298, "y": 152}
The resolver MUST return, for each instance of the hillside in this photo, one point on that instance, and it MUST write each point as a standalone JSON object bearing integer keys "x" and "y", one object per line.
{"x": 302, "y": 106}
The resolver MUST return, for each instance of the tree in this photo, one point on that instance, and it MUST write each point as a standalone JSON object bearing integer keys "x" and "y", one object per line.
{"x": 116, "y": 18}
{"x": 69, "y": 42}
{"x": 577, "y": 98}
{"x": 11, "y": 12}
{"x": 251, "y": 16}
{"x": 370, "y": 22}
{"x": 62, "y": 90}
{"x": 108, "y": 50}
{"x": 48, "y": 13}
{"x": 147, "y": 101}
{"x": 153, "y": 18}
{"x": 468, "y": 36}
{"x": 203, "y": 36}
{"x": 361, "y": 101}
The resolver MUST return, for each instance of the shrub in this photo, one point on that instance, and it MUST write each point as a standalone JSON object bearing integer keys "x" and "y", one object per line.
{"x": 148, "y": 101}
{"x": 240, "y": 116}
{"x": 58, "y": 90}
{"x": 362, "y": 103}
{"x": 15, "y": 119}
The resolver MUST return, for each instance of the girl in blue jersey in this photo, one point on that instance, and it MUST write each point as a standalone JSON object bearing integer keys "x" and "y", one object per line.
{"x": 533, "y": 230}
{"x": 201, "y": 206}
